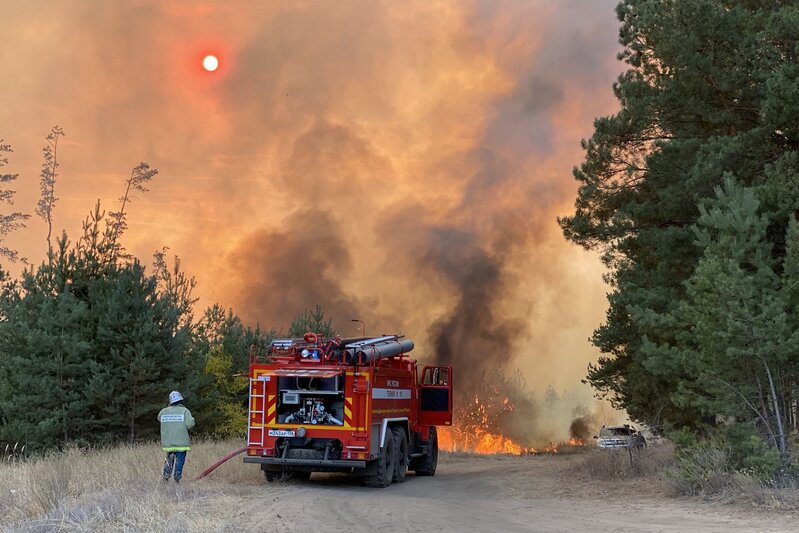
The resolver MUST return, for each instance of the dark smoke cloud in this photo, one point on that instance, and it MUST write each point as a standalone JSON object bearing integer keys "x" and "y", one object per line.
{"x": 289, "y": 272}
{"x": 478, "y": 334}
{"x": 582, "y": 427}
{"x": 474, "y": 336}
{"x": 330, "y": 165}
{"x": 306, "y": 262}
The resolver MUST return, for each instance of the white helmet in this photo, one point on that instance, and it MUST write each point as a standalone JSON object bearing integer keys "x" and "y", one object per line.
{"x": 175, "y": 397}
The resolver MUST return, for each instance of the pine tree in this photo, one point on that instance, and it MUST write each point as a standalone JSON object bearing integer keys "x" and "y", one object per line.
{"x": 140, "y": 350}
{"x": 733, "y": 338}
{"x": 14, "y": 220}
{"x": 313, "y": 321}
{"x": 46, "y": 356}
{"x": 90, "y": 347}
{"x": 708, "y": 92}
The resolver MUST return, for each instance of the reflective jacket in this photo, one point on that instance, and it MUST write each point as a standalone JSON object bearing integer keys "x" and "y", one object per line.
{"x": 176, "y": 421}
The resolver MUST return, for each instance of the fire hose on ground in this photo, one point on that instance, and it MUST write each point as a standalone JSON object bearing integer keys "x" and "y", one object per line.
{"x": 219, "y": 463}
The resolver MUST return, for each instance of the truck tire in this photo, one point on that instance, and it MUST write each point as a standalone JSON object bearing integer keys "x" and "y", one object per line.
{"x": 286, "y": 475}
{"x": 385, "y": 465}
{"x": 427, "y": 464}
{"x": 401, "y": 445}
{"x": 302, "y": 453}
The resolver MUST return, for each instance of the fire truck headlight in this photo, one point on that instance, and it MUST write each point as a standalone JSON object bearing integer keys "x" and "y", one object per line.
{"x": 301, "y": 432}
{"x": 305, "y": 354}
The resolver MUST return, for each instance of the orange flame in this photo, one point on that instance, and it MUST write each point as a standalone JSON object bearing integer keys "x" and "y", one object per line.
{"x": 472, "y": 433}
{"x": 455, "y": 439}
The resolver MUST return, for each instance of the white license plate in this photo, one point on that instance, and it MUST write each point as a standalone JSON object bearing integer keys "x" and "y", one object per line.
{"x": 281, "y": 432}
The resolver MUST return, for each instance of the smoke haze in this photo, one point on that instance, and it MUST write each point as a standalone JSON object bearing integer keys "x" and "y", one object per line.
{"x": 401, "y": 163}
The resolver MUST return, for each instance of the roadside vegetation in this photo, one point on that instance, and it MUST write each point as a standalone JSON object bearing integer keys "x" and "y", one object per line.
{"x": 119, "y": 488}
{"x": 624, "y": 464}
{"x": 702, "y": 470}
{"x": 691, "y": 194}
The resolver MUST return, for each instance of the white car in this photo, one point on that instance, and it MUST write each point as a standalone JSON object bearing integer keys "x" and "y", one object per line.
{"x": 624, "y": 436}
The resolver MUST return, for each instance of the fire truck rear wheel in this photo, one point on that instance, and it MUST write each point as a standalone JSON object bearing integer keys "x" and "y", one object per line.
{"x": 286, "y": 475}
{"x": 401, "y": 445}
{"x": 385, "y": 465}
{"x": 428, "y": 463}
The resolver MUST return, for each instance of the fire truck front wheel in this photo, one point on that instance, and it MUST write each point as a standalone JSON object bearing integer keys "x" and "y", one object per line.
{"x": 426, "y": 465}
{"x": 385, "y": 465}
{"x": 401, "y": 444}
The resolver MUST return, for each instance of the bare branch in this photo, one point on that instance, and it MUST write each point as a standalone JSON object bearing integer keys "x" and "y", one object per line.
{"x": 137, "y": 181}
{"x": 47, "y": 182}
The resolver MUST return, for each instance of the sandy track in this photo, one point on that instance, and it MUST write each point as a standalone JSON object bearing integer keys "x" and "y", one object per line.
{"x": 487, "y": 494}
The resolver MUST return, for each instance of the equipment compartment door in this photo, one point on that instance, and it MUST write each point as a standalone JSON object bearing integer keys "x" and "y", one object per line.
{"x": 435, "y": 396}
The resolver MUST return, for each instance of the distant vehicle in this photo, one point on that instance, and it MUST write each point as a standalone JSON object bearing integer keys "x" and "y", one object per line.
{"x": 615, "y": 437}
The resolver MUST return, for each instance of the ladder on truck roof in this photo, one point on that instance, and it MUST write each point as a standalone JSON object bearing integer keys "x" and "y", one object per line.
{"x": 256, "y": 412}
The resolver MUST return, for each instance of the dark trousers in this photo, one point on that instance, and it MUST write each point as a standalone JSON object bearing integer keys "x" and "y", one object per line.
{"x": 174, "y": 460}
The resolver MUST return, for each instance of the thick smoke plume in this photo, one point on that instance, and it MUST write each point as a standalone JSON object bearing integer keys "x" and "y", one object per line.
{"x": 294, "y": 268}
{"x": 582, "y": 427}
{"x": 401, "y": 163}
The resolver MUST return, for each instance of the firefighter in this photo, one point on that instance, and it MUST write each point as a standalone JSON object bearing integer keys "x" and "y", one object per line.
{"x": 176, "y": 421}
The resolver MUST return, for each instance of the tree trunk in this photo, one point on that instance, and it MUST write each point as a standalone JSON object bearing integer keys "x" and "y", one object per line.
{"x": 786, "y": 411}
{"x": 775, "y": 399}
{"x": 764, "y": 407}
{"x": 132, "y": 420}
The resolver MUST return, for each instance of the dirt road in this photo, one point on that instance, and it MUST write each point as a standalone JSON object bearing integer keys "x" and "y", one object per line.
{"x": 489, "y": 494}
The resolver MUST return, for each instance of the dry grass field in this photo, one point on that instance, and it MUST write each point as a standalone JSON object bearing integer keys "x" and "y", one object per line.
{"x": 120, "y": 488}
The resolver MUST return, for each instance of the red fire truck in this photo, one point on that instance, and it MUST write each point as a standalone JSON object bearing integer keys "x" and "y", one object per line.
{"x": 358, "y": 405}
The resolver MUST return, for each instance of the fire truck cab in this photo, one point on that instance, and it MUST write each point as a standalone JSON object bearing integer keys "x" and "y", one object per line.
{"x": 359, "y": 406}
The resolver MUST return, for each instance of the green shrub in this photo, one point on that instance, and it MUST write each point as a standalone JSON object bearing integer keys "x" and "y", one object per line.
{"x": 750, "y": 455}
{"x": 703, "y": 468}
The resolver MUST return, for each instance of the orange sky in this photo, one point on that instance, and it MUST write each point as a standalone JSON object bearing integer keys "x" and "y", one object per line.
{"x": 398, "y": 162}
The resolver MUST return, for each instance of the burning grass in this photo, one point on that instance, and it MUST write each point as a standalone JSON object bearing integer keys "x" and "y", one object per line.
{"x": 501, "y": 418}
{"x": 464, "y": 439}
